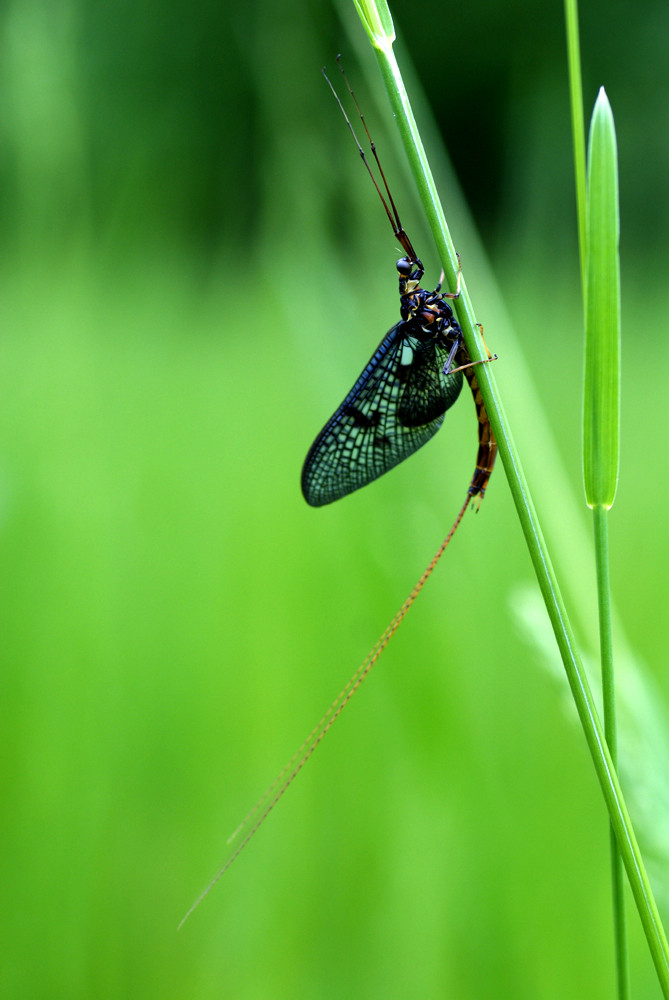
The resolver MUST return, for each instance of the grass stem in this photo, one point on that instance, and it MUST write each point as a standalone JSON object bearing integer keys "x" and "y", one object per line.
{"x": 601, "y": 427}
{"x": 601, "y": 528}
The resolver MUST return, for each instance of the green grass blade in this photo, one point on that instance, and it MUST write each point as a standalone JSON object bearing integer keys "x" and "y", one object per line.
{"x": 601, "y": 429}
{"x": 601, "y": 409}
{"x": 577, "y": 124}
{"x": 377, "y": 22}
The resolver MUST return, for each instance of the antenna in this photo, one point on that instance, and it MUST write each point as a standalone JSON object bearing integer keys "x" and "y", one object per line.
{"x": 398, "y": 228}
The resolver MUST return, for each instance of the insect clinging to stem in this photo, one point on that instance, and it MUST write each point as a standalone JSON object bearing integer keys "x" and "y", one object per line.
{"x": 397, "y": 404}
{"x": 399, "y": 401}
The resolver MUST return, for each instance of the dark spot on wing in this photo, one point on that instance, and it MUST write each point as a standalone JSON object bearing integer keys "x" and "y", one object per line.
{"x": 361, "y": 419}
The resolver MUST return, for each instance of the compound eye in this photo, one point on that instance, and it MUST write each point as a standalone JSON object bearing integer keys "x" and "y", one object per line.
{"x": 404, "y": 266}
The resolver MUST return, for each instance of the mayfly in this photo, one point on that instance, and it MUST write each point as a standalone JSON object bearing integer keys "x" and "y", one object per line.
{"x": 400, "y": 399}
{"x": 395, "y": 407}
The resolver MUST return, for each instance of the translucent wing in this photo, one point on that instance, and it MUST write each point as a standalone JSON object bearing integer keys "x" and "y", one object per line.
{"x": 397, "y": 404}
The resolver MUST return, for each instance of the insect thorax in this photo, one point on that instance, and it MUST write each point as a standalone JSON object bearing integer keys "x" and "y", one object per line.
{"x": 429, "y": 314}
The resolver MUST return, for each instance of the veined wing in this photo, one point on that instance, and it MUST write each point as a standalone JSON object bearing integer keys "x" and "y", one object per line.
{"x": 397, "y": 404}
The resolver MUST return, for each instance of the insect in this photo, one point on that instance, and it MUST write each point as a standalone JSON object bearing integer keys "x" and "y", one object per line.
{"x": 399, "y": 401}
{"x": 397, "y": 404}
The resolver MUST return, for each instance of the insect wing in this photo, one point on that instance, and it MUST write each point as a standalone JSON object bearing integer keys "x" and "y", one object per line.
{"x": 397, "y": 404}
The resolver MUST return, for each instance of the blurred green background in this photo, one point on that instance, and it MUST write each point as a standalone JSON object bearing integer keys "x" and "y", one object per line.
{"x": 194, "y": 271}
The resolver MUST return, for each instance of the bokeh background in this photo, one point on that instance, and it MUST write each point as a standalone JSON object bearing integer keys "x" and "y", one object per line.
{"x": 194, "y": 271}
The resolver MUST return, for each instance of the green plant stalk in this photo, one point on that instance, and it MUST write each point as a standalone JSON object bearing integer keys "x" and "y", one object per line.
{"x": 577, "y": 125}
{"x": 601, "y": 425}
{"x": 601, "y": 527}
{"x": 615, "y": 803}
